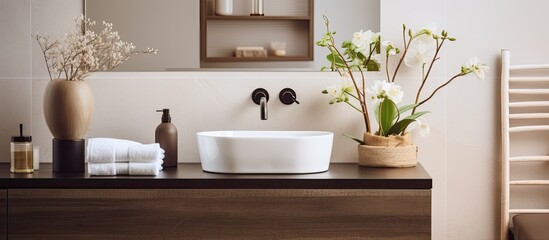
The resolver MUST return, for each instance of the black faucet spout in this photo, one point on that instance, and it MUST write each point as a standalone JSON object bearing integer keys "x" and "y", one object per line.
{"x": 260, "y": 97}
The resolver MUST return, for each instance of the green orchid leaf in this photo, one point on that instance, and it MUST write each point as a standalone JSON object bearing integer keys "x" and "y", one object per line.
{"x": 354, "y": 138}
{"x": 401, "y": 125}
{"x": 388, "y": 112}
{"x": 406, "y": 108}
{"x": 335, "y": 59}
{"x": 416, "y": 115}
{"x": 358, "y": 140}
{"x": 325, "y": 69}
{"x": 372, "y": 66}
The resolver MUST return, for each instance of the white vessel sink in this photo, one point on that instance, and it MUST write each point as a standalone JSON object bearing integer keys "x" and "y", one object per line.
{"x": 248, "y": 152}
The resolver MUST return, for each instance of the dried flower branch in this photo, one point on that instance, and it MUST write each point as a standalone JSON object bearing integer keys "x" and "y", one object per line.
{"x": 83, "y": 51}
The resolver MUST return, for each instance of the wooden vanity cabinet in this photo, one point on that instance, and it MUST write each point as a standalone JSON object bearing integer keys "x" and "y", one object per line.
{"x": 347, "y": 202}
{"x": 3, "y": 214}
{"x": 218, "y": 214}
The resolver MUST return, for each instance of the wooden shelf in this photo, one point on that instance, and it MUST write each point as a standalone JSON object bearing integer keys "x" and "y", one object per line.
{"x": 258, "y": 59}
{"x": 289, "y": 22}
{"x": 259, "y": 18}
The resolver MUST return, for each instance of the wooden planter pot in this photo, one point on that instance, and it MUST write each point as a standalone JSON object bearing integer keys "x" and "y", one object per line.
{"x": 392, "y": 151}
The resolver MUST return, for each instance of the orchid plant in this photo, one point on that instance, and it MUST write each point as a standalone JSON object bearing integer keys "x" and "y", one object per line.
{"x": 420, "y": 49}
{"x": 83, "y": 51}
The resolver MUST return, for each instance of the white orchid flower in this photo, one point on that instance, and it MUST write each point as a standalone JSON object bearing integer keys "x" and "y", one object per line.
{"x": 474, "y": 65}
{"x": 376, "y": 58}
{"x": 382, "y": 89}
{"x": 420, "y": 127}
{"x": 333, "y": 91}
{"x": 395, "y": 93}
{"x": 339, "y": 92}
{"x": 374, "y": 91}
{"x": 362, "y": 39}
{"x": 420, "y": 53}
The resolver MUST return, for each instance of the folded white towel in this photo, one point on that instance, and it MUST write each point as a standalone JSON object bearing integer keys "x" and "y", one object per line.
{"x": 122, "y": 146}
{"x": 105, "y": 150}
{"x": 125, "y": 168}
{"x": 100, "y": 151}
{"x": 145, "y": 169}
{"x": 122, "y": 168}
{"x": 145, "y": 153}
{"x": 102, "y": 169}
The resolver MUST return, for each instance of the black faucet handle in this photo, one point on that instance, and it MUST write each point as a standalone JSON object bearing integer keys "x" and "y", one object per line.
{"x": 288, "y": 96}
{"x": 258, "y": 93}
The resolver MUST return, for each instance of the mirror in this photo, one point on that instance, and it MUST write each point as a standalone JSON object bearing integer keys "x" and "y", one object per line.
{"x": 173, "y": 27}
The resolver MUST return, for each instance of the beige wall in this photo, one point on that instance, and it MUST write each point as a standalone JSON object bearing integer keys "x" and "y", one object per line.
{"x": 461, "y": 154}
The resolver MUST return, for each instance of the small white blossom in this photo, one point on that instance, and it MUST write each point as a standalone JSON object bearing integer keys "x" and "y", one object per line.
{"x": 420, "y": 127}
{"x": 376, "y": 58}
{"x": 383, "y": 89}
{"x": 339, "y": 92}
{"x": 363, "y": 41}
{"x": 474, "y": 65}
{"x": 420, "y": 53}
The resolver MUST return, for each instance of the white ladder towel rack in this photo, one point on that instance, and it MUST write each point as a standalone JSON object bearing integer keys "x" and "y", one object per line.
{"x": 507, "y": 130}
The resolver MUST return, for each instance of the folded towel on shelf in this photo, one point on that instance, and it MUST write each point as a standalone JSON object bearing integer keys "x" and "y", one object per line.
{"x": 105, "y": 150}
{"x": 127, "y": 168}
{"x": 145, "y": 169}
{"x": 145, "y": 153}
{"x": 102, "y": 169}
{"x": 100, "y": 152}
{"x": 110, "y": 157}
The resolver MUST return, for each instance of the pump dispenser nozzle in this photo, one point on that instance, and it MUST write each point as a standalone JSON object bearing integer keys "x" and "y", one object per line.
{"x": 165, "y": 115}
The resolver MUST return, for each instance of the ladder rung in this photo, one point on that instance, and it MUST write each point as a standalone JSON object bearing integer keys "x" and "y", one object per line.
{"x": 528, "y": 115}
{"x": 528, "y": 79}
{"x": 528, "y": 91}
{"x": 529, "y": 128}
{"x": 530, "y": 66}
{"x": 530, "y": 104}
{"x": 529, "y": 159}
{"x": 515, "y": 211}
{"x": 529, "y": 182}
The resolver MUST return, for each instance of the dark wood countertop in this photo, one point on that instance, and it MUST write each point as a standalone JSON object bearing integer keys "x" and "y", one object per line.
{"x": 191, "y": 176}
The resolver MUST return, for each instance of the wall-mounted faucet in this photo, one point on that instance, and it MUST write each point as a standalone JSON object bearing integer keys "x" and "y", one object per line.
{"x": 260, "y": 97}
{"x": 288, "y": 96}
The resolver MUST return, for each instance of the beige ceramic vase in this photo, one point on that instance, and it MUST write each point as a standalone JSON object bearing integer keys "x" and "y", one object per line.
{"x": 68, "y": 108}
{"x": 392, "y": 151}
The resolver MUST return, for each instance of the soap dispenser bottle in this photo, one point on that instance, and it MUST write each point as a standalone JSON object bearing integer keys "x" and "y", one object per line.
{"x": 166, "y": 136}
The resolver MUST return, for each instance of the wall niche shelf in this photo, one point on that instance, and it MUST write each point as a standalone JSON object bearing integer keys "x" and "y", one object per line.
{"x": 289, "y": 21}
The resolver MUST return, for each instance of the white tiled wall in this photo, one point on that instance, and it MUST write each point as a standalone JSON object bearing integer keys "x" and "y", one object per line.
{"x": 15, "y": 71}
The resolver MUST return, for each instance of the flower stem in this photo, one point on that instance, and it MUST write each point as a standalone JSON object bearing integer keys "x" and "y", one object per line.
{"x": 440, "y": 87}
{"x": 387, "y": 67}
{"x": 360, "y": 94}
{"x": 424, "y": 79}
{"x": 350, "y": 104}
{"x": 406, "y": 46}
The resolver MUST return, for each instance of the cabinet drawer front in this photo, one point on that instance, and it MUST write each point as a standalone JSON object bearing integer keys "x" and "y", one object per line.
{"x": 3, "y": 214}
{"x": 219, "y": 214}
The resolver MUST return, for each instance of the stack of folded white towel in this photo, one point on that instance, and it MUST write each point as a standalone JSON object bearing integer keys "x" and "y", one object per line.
{"x": 109, "y": 157}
